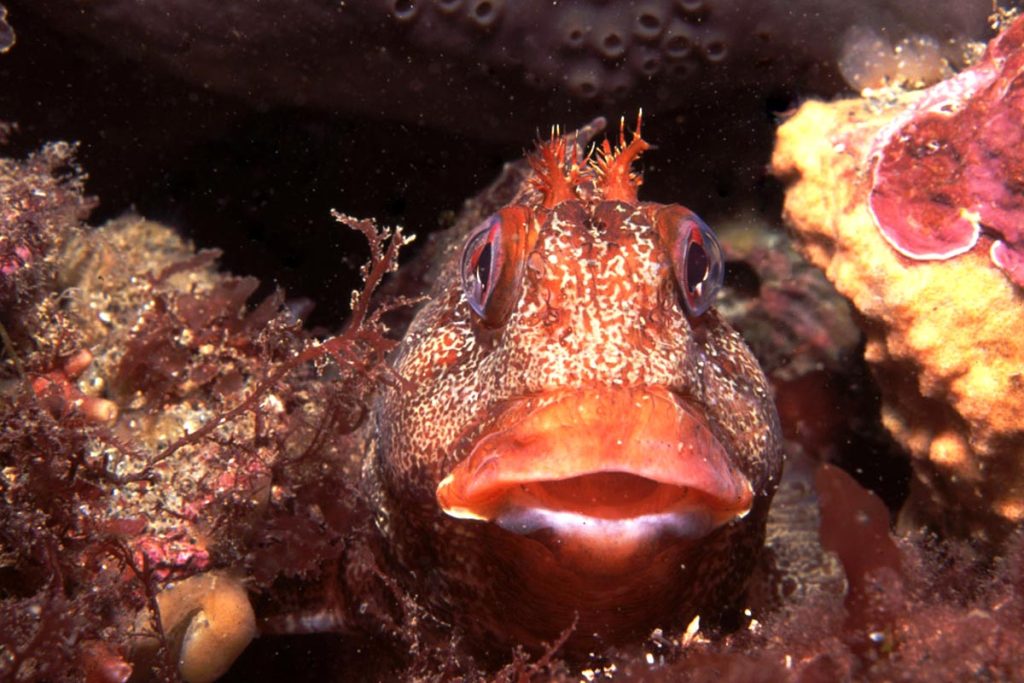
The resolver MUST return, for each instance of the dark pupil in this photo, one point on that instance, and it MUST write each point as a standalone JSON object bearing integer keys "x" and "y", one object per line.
{"x": 696, "y": 266}
{"x": 483, "y": 267}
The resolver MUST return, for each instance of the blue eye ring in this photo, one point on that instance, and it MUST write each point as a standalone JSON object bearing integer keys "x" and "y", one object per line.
{"x": 492, "y": 264}
{"x": 698, "y": 263}
{"x": 482, "y": 258}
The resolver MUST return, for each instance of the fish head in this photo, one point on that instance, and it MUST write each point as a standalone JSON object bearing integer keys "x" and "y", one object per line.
{"x": 574, "y": 407}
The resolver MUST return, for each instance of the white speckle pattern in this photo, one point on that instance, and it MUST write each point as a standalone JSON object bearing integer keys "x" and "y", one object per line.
{"x": 595, "y": 305}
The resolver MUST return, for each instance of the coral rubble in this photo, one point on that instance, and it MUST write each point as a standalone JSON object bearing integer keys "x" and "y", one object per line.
{"x": 943, "y": 336}
{"x": 799, "y": 328}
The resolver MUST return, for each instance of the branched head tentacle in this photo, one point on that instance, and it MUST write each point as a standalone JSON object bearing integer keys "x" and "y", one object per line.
{"x": 557, "y": 167}
{"x": 613, "y": 166}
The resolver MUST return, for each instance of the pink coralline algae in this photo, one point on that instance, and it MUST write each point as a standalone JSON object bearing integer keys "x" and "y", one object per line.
{"x": 950, "y": 170}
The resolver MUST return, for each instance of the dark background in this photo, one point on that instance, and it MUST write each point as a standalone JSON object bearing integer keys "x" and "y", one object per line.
{"x": 258, "y": 180}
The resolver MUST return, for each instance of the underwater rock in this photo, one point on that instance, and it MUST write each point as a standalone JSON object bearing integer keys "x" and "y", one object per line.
{"x": 152, "y": 426}
{"x": 796, "y": 566}
{"x": 788, "y": 312}
{"x": 522, "y": 64}
{"x": 803, "y": 333}
{"x": 943, "y": 336}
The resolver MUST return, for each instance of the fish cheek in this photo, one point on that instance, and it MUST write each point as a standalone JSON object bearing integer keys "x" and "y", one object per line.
{"x": 740, "y": 406}
{"x": 416, "y": 418}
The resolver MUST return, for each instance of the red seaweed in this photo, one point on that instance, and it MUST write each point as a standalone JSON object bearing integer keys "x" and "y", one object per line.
{"x": 41, "y": 207}
{"x": 100, "y": 512}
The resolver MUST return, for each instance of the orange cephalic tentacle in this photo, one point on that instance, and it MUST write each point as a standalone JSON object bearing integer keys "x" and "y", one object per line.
{"x": 617, "y": 180}
{"x": 552, "y": 177}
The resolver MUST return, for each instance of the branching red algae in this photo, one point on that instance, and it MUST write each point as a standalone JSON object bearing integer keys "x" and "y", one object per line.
{"x": 229, "y": 417}
{"x": 41, "y": 207}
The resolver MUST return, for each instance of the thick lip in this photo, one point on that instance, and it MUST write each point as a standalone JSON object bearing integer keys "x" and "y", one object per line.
{"x": 601, "y": 463}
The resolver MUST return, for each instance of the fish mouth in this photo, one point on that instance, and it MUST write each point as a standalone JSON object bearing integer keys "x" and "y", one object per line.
{"x": 611, "y": 473}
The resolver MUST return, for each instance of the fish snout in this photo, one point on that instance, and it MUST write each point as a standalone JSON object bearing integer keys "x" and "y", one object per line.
{"x": 605, "y": 479}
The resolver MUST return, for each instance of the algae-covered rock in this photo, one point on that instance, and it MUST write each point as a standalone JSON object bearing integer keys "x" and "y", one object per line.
{"x": 943, "y": 335}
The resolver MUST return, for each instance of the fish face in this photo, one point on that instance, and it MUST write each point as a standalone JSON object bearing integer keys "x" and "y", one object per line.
{"x": 579, "y": 437}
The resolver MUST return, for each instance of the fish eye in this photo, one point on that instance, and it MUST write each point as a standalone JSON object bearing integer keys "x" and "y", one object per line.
{"x": 699, "y": 265}
{"x": 492, "y": 264}
{"x": 481, "y": 264}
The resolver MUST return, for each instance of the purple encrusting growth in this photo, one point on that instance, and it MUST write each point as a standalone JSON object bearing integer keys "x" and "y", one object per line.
{"x": 949, "y": 170}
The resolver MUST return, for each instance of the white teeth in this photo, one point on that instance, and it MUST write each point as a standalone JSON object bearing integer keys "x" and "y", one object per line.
{"x": 689, "y": 524}
{"x": 463, "y": 513}
{"x": 457, "y": 512}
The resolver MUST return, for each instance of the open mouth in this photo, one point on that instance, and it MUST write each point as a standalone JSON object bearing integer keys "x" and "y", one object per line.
{"x": 603, "y": 468}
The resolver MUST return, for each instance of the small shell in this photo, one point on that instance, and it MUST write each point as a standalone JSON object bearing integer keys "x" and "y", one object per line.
{"x": 221, "y": 624}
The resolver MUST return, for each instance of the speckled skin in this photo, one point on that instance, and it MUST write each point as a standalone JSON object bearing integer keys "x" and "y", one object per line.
{"x": 597, "y": 308}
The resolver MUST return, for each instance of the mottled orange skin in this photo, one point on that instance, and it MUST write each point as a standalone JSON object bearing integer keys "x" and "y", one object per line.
{"x": 595, "y": 309}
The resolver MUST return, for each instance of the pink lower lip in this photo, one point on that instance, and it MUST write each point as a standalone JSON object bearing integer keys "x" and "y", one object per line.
{"x": 602, "y": 464}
